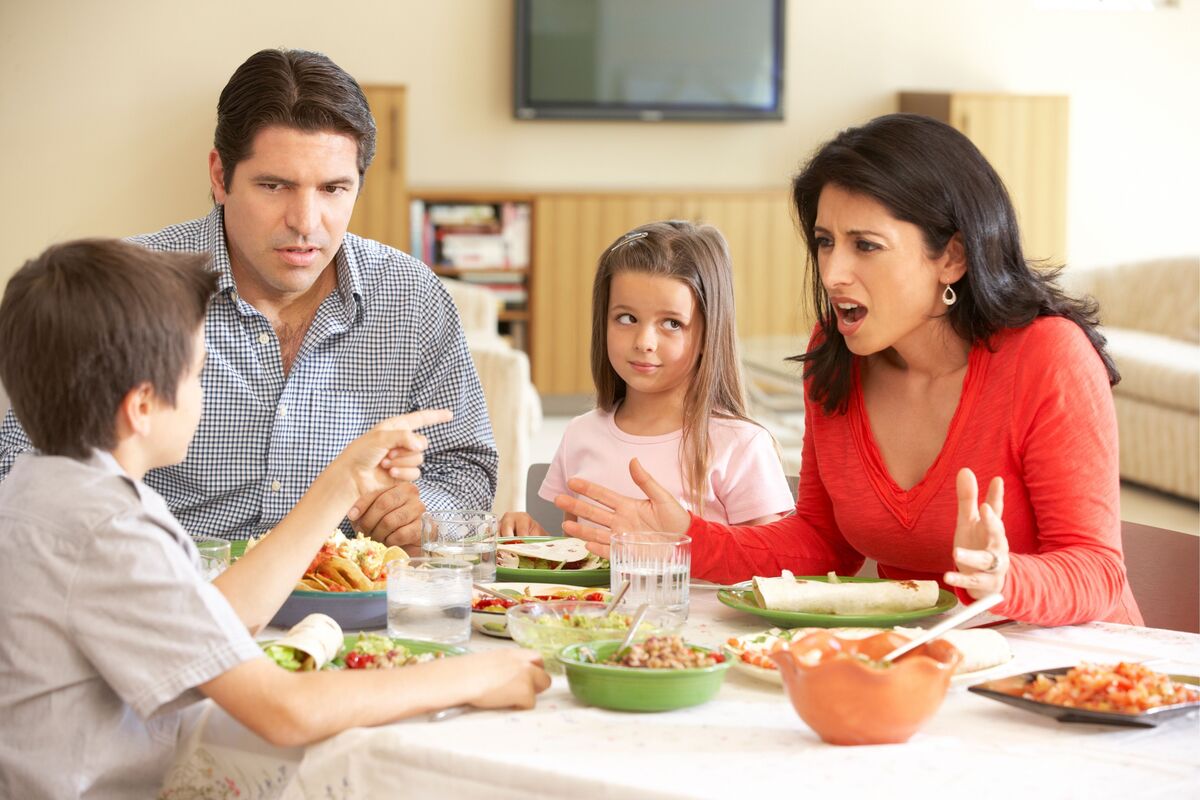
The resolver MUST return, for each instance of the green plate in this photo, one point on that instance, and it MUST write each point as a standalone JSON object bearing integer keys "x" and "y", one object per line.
{"x": 572, "y": 577}
{"x": 744, "y": 600}
{"x": 636, "y": 689}
{"x": 413, "y": 645}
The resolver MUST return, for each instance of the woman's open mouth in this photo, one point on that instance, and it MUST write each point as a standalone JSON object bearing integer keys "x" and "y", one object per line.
{"x": 850, "y": 316}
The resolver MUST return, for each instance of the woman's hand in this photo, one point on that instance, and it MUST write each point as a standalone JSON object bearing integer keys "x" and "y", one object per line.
{"x": 661, "y": 512}
{"x": 980, "y": 545}
{"x": 518, "y": 523}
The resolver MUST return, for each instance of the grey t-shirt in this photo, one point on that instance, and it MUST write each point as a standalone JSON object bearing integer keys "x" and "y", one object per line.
{"x": 106, "y": 628}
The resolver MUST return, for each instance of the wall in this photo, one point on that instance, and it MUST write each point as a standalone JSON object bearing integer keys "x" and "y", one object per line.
{"x": 107, "y": 107}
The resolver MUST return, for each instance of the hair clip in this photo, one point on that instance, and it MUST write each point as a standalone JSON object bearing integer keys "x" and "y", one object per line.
{"x": 631, "y": 237}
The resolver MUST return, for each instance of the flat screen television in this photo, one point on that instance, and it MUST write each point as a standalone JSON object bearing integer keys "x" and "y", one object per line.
{"x": 649, "y": 59}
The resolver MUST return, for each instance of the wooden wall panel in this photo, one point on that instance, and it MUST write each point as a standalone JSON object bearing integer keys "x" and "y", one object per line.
{"x": 381, "y": 211}
{"x": 572, "y": 229}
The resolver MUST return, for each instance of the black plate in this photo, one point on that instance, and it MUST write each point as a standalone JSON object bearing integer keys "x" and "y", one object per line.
{"x": 998, "y": 690}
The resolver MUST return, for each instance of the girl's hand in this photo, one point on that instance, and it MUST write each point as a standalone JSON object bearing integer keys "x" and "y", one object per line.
{"x": 980, "y": 545}
{"x": 518, "y": 523}
{"x": 391, "y": 451}
{"x": 661, "y": 512}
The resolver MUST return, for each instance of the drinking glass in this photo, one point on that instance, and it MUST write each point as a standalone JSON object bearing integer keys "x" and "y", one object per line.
{"x": 214, "y": 555}
{"x": 429, "y": 599}
{"x": 657, "y": 566}
{"x": 468, "y": 534}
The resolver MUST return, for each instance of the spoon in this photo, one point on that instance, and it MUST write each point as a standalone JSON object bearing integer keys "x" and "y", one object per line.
{"x": 638, "y": 616}
{"x": 479, "y": 587}
{"x": 952, "y": 621}
{"x": 617, "y": 598}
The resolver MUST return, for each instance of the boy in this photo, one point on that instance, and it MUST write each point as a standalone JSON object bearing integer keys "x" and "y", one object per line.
{"x": 107, "y": 630}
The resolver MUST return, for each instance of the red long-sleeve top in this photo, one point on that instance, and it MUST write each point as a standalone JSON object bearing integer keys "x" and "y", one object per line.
{"x": 1037, "y": 411}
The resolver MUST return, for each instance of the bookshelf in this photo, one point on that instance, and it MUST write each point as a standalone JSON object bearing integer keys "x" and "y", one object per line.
{"x": 483, "y": 238}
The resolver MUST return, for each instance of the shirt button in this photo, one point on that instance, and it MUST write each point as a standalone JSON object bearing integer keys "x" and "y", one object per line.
{"x": 275, "y": 486}
{"x": 263, "y": 338}
{"x": 283, "y": 411}
{"x": 233, "y": 297}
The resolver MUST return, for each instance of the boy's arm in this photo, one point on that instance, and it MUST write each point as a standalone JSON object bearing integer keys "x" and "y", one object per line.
{"x": 291, "y": 709}
{"x": 13, "y": 442}
{"x": 258, "y": 583}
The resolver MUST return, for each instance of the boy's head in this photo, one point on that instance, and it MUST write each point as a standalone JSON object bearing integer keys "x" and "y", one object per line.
{"x": 88, "y": 321}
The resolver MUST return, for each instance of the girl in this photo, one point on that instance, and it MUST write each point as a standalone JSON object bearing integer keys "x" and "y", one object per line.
{"x": 668, "y": 384}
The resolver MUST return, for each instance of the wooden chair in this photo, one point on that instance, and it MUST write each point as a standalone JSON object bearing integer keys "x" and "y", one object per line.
{"x": 1163, "y": 567}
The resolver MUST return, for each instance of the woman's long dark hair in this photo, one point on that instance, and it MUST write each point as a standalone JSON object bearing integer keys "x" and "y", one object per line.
{"x": 927, "y": 173}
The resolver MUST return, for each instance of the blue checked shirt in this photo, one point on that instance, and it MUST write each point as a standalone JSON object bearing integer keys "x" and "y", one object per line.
{"x": 387, "y": 341}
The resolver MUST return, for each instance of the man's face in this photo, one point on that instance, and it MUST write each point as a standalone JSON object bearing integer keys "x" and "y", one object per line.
{"x": 287, "y": 209}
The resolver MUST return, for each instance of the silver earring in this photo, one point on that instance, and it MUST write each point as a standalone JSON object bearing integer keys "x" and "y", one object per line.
{"x": 948, "y": 296}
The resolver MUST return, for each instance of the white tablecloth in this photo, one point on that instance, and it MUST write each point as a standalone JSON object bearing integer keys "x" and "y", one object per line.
{"x": 745, "y": 742}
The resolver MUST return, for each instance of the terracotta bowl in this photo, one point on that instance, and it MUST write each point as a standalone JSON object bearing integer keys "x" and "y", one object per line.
{"x": 848, "y": 700}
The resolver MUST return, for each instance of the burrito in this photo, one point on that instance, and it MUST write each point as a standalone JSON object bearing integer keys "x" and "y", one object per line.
{"x": 563, "y": 553}
{"x": 309, "y": 645}
{"x": 981, "y": 648}
{"x": 787, "y": 593}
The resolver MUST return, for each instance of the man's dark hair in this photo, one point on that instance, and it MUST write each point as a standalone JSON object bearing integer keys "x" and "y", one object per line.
{"x": 294, "y": 89}
{"x": 87, "y": 321}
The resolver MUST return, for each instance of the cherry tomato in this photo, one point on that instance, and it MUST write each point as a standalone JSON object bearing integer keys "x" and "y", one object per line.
{"x": 357, "y": 660}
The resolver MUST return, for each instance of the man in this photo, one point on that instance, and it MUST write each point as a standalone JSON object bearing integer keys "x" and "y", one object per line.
{"x": 315, "y": 334}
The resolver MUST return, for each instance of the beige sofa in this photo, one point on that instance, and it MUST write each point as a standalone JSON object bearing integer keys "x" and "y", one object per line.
{"x": 513, "y": 403}
{"x": 1150, "y": 311}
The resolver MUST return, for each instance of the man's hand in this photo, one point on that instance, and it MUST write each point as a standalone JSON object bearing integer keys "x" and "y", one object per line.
{"x": 392, "y": 516}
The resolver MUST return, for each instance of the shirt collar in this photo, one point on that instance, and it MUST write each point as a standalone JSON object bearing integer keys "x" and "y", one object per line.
{"x": 349, "y": 282}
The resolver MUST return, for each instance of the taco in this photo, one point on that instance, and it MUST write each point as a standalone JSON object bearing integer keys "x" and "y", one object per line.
{"x": 558, "y": 554}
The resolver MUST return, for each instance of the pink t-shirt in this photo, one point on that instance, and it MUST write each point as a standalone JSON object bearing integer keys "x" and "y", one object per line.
{"x": 745, "y": 477}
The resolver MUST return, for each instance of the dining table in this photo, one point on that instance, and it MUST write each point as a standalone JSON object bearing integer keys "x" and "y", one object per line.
{"x": 746, "y": 742}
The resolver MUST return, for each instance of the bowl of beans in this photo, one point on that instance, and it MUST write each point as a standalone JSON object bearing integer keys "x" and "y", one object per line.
{"x": 660, "y": 673}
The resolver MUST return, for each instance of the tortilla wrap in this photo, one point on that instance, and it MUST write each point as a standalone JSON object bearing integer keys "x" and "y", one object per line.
{"x": 787, "y": 593}
{"x": 981, "y": 648}
{"x": 317, "y": 637}
{"x": 565, "y": 550}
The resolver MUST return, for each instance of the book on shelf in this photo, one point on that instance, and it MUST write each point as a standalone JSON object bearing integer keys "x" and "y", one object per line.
{"x": 471, "y": 235}
{"x": 492, "y": 277}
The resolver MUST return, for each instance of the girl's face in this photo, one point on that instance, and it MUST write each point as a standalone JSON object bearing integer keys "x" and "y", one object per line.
{"x": 882, "y": 284}
{"x": 654, "y": 333}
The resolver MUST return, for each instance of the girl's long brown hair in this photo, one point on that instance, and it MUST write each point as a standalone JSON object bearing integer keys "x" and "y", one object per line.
{"x": 697, "y": 256}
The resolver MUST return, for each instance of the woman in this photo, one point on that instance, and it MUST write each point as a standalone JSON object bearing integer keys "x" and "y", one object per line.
{"x": 938, "y": 354}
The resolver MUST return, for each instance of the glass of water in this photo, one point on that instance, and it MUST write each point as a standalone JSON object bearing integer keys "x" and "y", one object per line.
{"x": 463, "y": 534}
{"x": 657, "y": 566}
{"x": 429, "y": 599}
{"x": 214, "y": 555}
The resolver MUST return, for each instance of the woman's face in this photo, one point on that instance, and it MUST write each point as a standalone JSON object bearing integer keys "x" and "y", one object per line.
{"x": 883, "y": 285}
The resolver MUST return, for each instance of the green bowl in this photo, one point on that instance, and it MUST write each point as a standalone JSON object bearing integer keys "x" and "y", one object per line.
{"x": 636, "y": 688}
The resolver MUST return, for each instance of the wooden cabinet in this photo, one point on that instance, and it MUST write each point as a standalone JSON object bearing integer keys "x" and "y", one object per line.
{"x": 1025, "y": 139}
{"x": 381, "y": 212}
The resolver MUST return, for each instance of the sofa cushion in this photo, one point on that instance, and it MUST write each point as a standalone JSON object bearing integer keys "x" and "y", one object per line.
{"x": 1156, "y": 369}
{"x": 1155, "y": 295}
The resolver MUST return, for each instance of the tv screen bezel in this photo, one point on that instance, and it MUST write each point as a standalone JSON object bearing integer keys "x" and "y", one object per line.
{"x": 525, "y": 109}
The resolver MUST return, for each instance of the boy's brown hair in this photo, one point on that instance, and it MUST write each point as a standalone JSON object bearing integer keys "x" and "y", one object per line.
{"x": 89, "y": 320}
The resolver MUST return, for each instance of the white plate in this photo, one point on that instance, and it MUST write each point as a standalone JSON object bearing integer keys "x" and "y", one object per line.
{"x": 494, "y": 623}
{"x": 766, "y": 638}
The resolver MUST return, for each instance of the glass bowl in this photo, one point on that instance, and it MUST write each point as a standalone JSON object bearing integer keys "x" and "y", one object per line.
{"x": 550, "y": 626}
